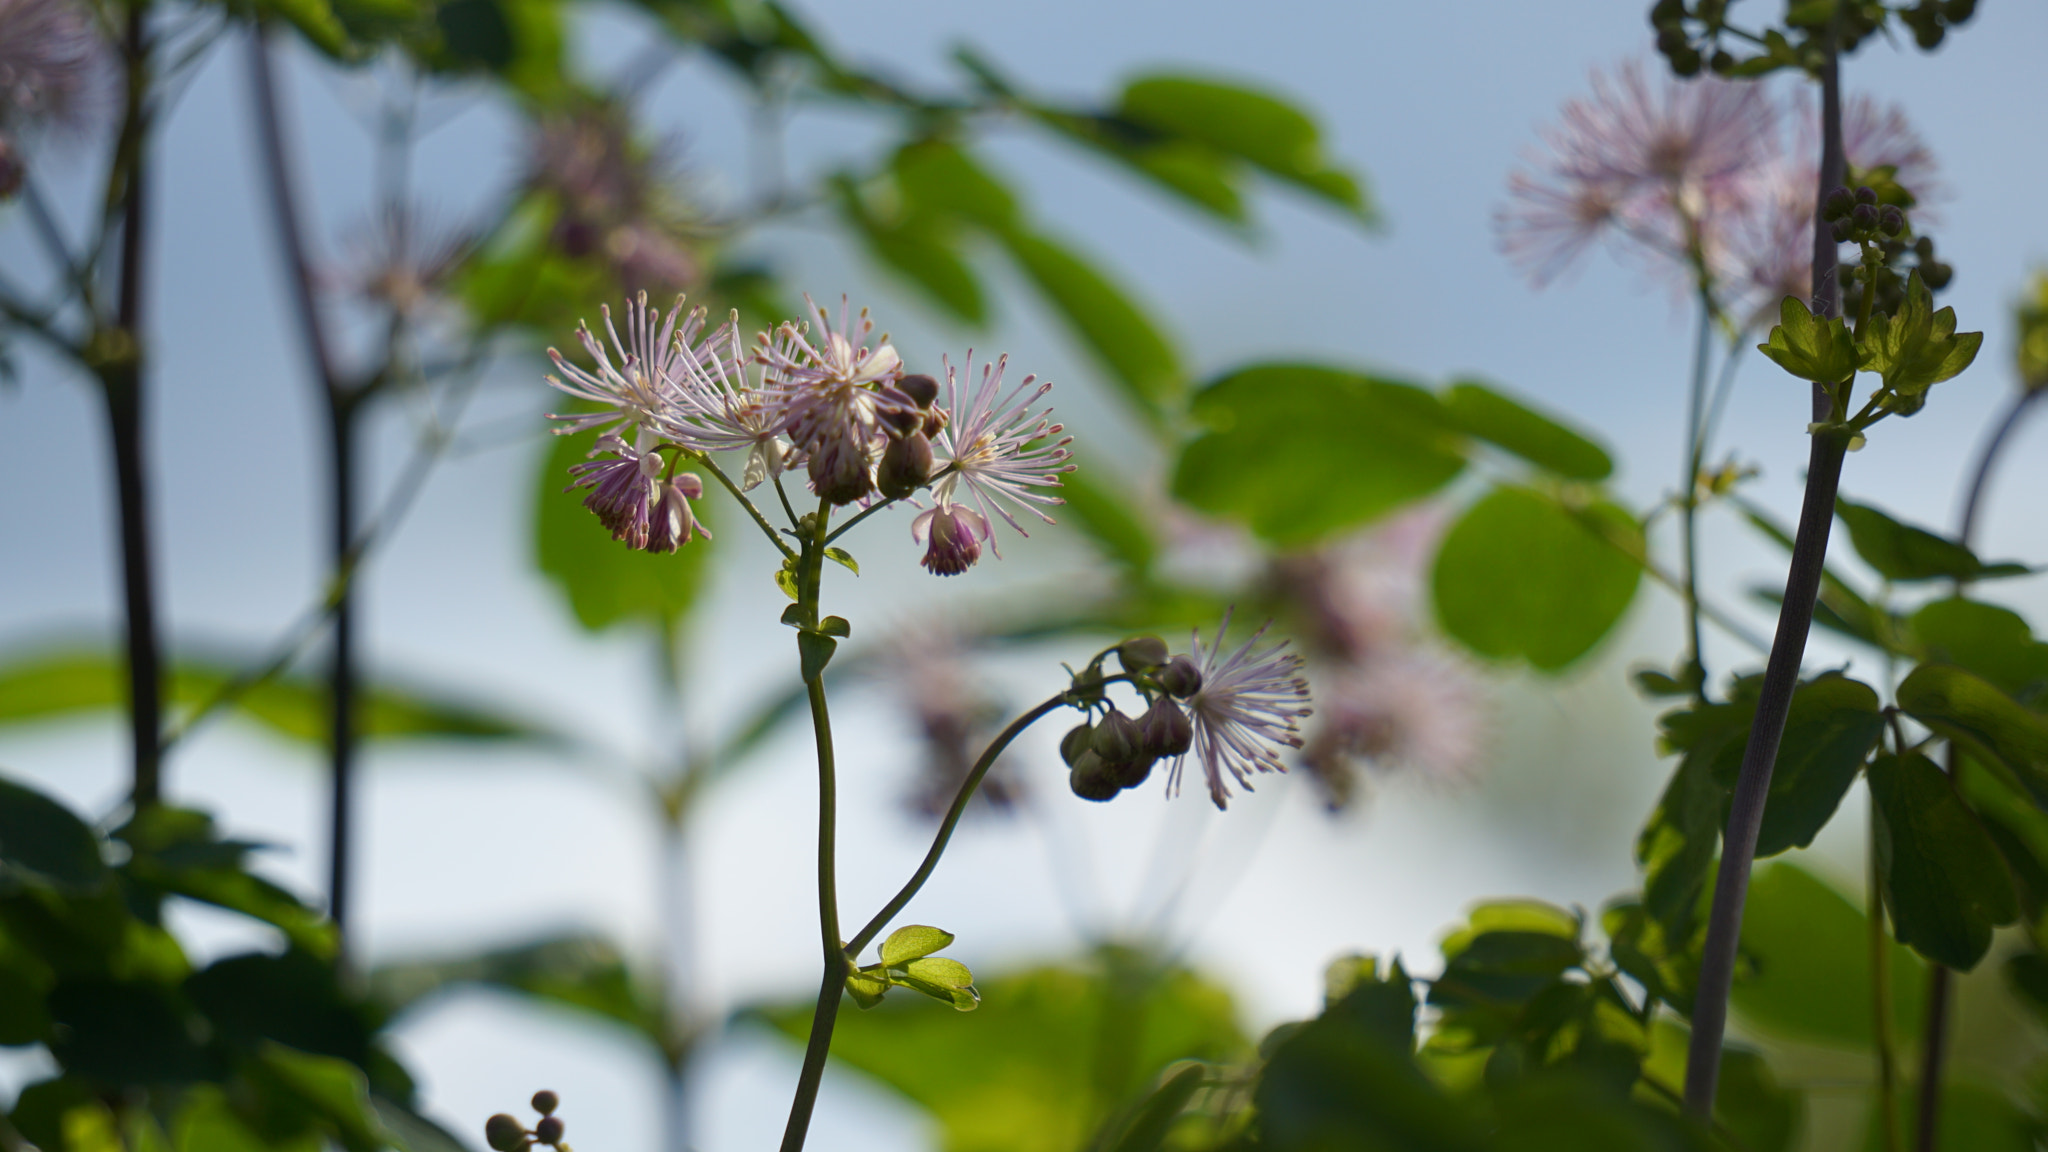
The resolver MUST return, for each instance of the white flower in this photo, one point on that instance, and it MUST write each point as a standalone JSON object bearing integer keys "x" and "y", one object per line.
{"x": 995, "y": 446}
{"x": 1247, "y": 707}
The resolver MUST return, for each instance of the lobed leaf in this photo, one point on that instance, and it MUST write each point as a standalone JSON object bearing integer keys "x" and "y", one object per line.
{"x": 1810, "y": 347}
{"x": 1945, "y": 885}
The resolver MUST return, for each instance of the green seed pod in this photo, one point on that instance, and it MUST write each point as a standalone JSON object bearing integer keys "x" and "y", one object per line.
{"x": 1132, "y": 773}
{"x": 1937, "y": 275}
{"x": 1180, "y": 677}
{"x": 1091, "y": 779}
{"x": 504, "y": 1134}
{"x": 1141, "y": 654}
{"x": 1117, "y": 739}
{"x": 1079, "y": 739}
{"x": 549, "y": 1131}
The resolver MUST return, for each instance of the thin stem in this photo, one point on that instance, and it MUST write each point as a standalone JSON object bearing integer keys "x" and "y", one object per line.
{"x": 863, "y": 514}
{"x": 1788, "y": 647}
{"x": 783, "y": 495}
{"x": 1730, "y": 361}
{"x": 1688, "y": 494}
{"x": 1881, "y": 993}
{"x": 834, "y": 981}
{"x": 767, "y": 529}
{"x": 917, "y": 880}
{"x": 52, "y": 236}
{"x": 1973, "y": 503}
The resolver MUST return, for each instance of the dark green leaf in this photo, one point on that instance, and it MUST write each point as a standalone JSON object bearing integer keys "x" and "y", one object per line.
{"x": 814, "y": 651}
{"x": 295, "y": 999}
{"x": 1946, "y": 886}
{"x": 1973, "y": 1118}
{"x": 607, "y": 583}
{"x": 1833, "y": 724}
{"x": 1147, "y": 1127}
{"x": 475, "y": 33}
{"x": 1298, "y": 451}
{"x": 1105, "y": 319}
{"x": 1196, "y": 172}
{"x": 43, "y": 844}
{"x": 40, "y": 1109}
{"x": 1807, "y": 954}
{"x": 1903, "y": 552}
{"x": 2027, "y": 974}
{"x": 1840, "y": 607}
{"x": 1676, "y": 847}
{"x": 126, "y": 1032}
{"x": 1251, "y": 125}
{"x": 331, "y": 1092}
{"x": 207, "y": 1122}
{"x": 1094, "y": 504}
{"x": 1810, "y": 347}
{"x": 24, "y": 980}
{"x": 938, "y": 180}
{"x": 1507, "y": 423}
{"x": 1520, "y": 577}
{"x": 1992, "y": 642}
{"x": 316, "y": 21}
{"x": 1972, "y": 712}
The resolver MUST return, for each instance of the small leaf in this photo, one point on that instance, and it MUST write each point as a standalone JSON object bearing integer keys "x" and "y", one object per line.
{"x": 1918, "y": 347}
{"x": 785, "y": 579}
{"x": 835, "y": 626}
{"x": 843, "y": 558}
{"x": 1147, "y": 1129}
{"x": 1832, "y": 725}
{"x": 42, "y": 845}
{"x": 1992, "y": 642}
{"x": 1520, "y": 577}
{"x": 866, "y": 988}
{"x": 814, "y": 651}
{"x": 1974, "y": 713}
{"x": 1945, "y": 884}
{"x": 941, "y": 971}
{"x": 1903, "y": 552}
{"x": 1542, "y": 441}
{"x": 1810, "y": 347}
{"x": 912, "y": 942}
{"x": 922, "y": 249}
{"x": 962, "y": 999}
{"x": 1254, "y": 126}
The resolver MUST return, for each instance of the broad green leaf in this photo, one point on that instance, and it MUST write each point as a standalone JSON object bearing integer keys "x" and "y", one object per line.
{"x": 605, "y": 582}
{"x": 1664, "y": 961}
{"x": 1095, "y": 503}
{"x": 1146, "y": 1128}
{"x": 1903, "y": 552}
{"x": 584, "y": 973}
{"x": 207, "y": 1122}
{"x": 1833, "y": 724}
{"x": 1919, "y": 347}
{"x": 476, "y": 33}
{"x": 1196, "y": 172}
{"x": 1810, "y": 347}
{"x": 295, "y": 999}
{"x": 1761, "y": 1113}
{"x": 1974, "y": 713}
{"x": 1507, "y": 423}
{"x": 921, "y": 249}
{"x": 43, "y": 845}
{"x": 1029, "y": 1071}
{"x": 911, "y": 942}
{"x": 1520, "y": 577}
{"x": 125, "y": 1032}
{"x": 814, "y": 651}
{"x": 1974, "y": 1117}
{"x": 1945, "y": 884}
{"x": 941, "y": 971}
{"x": 1677, "y": 845}
{"x": 1992, "y": 642}
{"x": 1808, "y": 970}
{"x": 331, "y": 1092}
{"x": 1254, "y": 126}
{"x": 938, "y": 179}
{"x": 1299, "y": 451}
{"x": 1105, "y": 319}
{"x": 1840, "y": 607}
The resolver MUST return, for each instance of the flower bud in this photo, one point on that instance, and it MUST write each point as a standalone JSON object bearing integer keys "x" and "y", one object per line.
{"x": 906, "y": 465}
{"x": 1134, "y": 772}
{"x": 1838, "y": 204}
{"x": 1166, "y": 729}
{"x": 1722, "y": 62}
{"x": 1866, "y": 195}
{"x": 1842, "y": 229}
{"x": 1180, "y": 677}
{"x": 1937, "y": 275}
{"x": 1891, "y": 221}
{"x": 1091, "y": 779}
{"x": 901, "y": 421}
{"x": 935, "y": 421}
{"x": 839, "y": 473}
{"x": 1117, "y": 739}
{"x": 1864, "y": 216}
{"x": 921, "y": 389}
{"x": 1924, "y": 248}
{"x": 504, "y": 1134}
{"x": 549, "y": 1130}
{"x": 1080, "y": 738}
{"x": 545, "y": 1102}
{"x": 1142, "y": 654}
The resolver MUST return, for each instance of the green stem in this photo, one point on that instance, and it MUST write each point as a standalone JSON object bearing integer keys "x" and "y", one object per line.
{"x": 1688, "y": 498}
{"x": 834, "y": 981}
{"x": 871, "y": 509}
{"x": 1881, "y": 988}
{"x": 767, "y": 529}
{"x": 946, "y": 826}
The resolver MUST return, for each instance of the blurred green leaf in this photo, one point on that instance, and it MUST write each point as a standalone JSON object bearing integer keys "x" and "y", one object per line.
{"x": 126, "y": 1032}
{"x": 1840, "y": 608}
{"x": 1196, "y": 172}
{"x": 1299, "y": 451}
{"x": 1520, "y": 577}
{"x": 207, "y": 1122}
{"x": 40, "y": 1109}
{"x": 1146, "y": 1127}
{"x": 1903, "y": 552}
{"x": 936, "y": 178}
{"x": 605, "y": 582}
{"x": 585, "y": 973}
{"x": 1761, "y": 1113}
{"x": 1993, "y": 642}
{"x": 1808, "y": 964}
{"x": 1049, "y": 1053}
{"x": 920, "y": 248}
{"x": 1945, "y": 884}
{"x": 1973, "y": 1118}
{"x": 476, "y": 33}
{"x": 1507, "y": 423}
{"x": 1975, "y": 714}
{"x": 316, "y": 21}
{"x": 1677, "y": 845}
{"x": 331, "y": 1093}
{"x": 295, "y": 999}
{"x": 43, "y": 845}
{"x": 1096, "y": 500}
{"x": 1105, "y": 319}
{"x": 1254, "y": 126}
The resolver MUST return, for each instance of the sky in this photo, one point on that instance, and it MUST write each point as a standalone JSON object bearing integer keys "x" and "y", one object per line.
{"x": 1434, "y": 104}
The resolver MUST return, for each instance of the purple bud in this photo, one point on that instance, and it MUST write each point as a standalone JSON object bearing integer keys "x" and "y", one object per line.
{"x": 1865, "y": 216}
{"x": 1091, "y": 779}
{"x": 839, "y": 471}
{"x": 1142, "y": 653}
{"x": 549, "y": 1131}
{"x": 956, "y": 534}
{"x": 1866, "y": 195}
{"x": 1838, "y": 204}
{"x": 1166, "y": 729}
{"x": 921, "y": 389}
{"x": 1079, "y": 739}
{"x": 906, "y": 465}
{"x": 1891, "y": 221}
{"x": 1117, "y": 739}
{"x": 545, "y": 1102}
{"x": 1180, "y": 677}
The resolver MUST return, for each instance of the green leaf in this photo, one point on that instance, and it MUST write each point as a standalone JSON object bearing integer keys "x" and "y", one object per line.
{"x": 1903, "y": 552}
{"x": 1299, "y": 451}
{"x": 476, "y": 33}
{"x": 1808, "y": 964}
{"x": 43, "y": 845}
{"x": 1507, "y": 423}
{"x": 125, "y": 1032}
{"x": 1973, "y": 1117}
{"x": 408, "y": 1131}
{"x": 295, "y": 999}
{"x": 1196, "y": 172}
{"x": 605, "y": 582}
{"x": 1520, "y": 577}
{"x": 1105, "y": 319}
{"x": 1098, "y": 508}
{"x": 835, "y": 626}
{"x": 207, "y": 1122}
{"x": 911, "y": 942}
{"x": 814, "y": 651}
{"x": 843, "y": 558}
{"x": 1993, "y": 642}
{"x": 316, "y": 21}
{"x": 922, "y": 250}
{"x": 584, "y": 973}
{"x": 1146, "y": 1128}
{"x": 1919, "y": 347}
{"x": 1254, "y": 126}
{"x": 866, "y": 989}
{"x": 1833, "y": 724}
{"x": 1810, "y": 347}
{"x": 937, "y": 179}
{"x": 333, "y": 1092}
{"x": 941, "y": 971}
{"x": 1945, "y": 884}
{"x": 1760, "y": 1113}
{"x": 1975, "y": 714}
{"x": 1677, "y": 845}
{"x": 1840, "y": 607}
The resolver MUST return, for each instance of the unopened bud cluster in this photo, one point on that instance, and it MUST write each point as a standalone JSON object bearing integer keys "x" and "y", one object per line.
{"x": 504, "y": 1133}
{"x": 1115, "y": 752}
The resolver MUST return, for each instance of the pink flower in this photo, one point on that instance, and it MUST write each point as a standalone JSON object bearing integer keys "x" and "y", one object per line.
{"x": 833, "y": 396}
{"x": 722, "y": 409}
{"x": 643, "y": 391}
{"x": 1417, "y": 710}
{"x": 956, "y": 533}
{"x": 641, "y": 507}
{"x": 995, "y": 446}
{"x": 1245, "y": 710}
{"x": 51, "y": 58}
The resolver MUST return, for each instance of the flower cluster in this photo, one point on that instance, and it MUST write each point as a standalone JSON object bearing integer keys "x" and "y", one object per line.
{"x": 833, "y": 399}
{"x": 612, "y": 198}
{"x": 1232, "y": 713}
{"x": 1698, "y": 176}
{"x": 51, "y": 61}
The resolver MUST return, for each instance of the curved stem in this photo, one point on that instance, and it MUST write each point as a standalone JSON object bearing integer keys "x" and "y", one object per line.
{"x": 1973, "y": 503}
{"x": 761, "y": 521}
{"x": 1688, "y": 495}
{"x": 924, "y": 871}
{"x": 1788, "y": 647}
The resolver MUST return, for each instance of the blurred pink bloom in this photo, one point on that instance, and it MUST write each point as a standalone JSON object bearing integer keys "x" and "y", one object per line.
{"x": 51, "y": 59}
{"x": 1417, "y": 710}
{"x": 998, "y": 448}
{"x": 955, "y": 713}
{"x": 1246, "y": 709}
{"x": 402, "y": 259}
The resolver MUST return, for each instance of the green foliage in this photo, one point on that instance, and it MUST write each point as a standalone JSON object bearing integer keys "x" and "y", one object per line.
{"x": 1104, "y": 318}
{"x": 178, "y": 852}
{"x": 1524, "y": 576}
{"x": 1051, "y": 1052}
{"x": 1945, "y": 884}
{"x": 1983, "y": 720}
{"x": 1902, "y": 552}
{"x": 1298, "y": 451}
{"x": 922, "y": 248}
{"x": 1095, "y": 507}
{"x": 1992, "y": 642}
{"x": 42, "y": 845}
{"x": 605, "y": 582}
{"x": 907, "y": 961}
{"x": 1973, "y": 1116}
{"x": 1246, "y": 125}
{"x": 1806, "y": 970}
{"x": 1810, "y": 347}
{"x": 1919, "y": 347}
{"x": 1510, "y": 425}
{"x": 585, "y": 974}
{"x": 1833, "y": 724}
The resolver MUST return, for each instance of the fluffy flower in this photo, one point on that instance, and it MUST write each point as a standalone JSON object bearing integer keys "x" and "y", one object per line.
{"x": 403, "y": 259}
{"x": 723, "y": 409}
{"x": 613, "y": 198}
{"x": 834, "y": 394}
{"x": 51, "y": 57}
{"x": 998, "y": 448}
{"x": 1667, "y": 167}
{"x": 633, "y": 500}
{"x": 1246, "y": 710}
{"x": 642, "y": 391}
